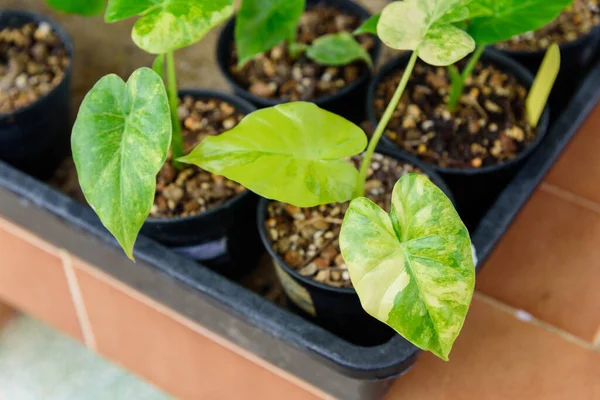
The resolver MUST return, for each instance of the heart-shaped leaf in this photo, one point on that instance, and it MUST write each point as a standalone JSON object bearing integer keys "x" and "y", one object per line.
{"x": 167, "y": 25}
{"x": 425, "y": 26}
{"x": 87, "y": 8}
{"x": 291, "y": 153}
{"x": 494, "y": 21}
{"x": 261, "y": 25}
{"x": 337, "y": 49}
{"x": 120, "y": 141}
{"x": 412, "y": 269}
{"x": 369, "y": 26}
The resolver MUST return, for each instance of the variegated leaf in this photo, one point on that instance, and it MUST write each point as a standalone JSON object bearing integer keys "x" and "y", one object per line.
{"x": 167, "y": 25}
{"x": 425, "y": 26}
{"x": 120, "y": 141}
{"x": 412, "y": 269}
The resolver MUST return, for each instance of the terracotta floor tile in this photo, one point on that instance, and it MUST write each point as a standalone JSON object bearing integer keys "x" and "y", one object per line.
{"x": 578, "y": 168}
{"x": 32, "y": 280}
{"x": 176, "y": 358}
{"x": 548, "y": 264}
{"x": 499, "y": 357}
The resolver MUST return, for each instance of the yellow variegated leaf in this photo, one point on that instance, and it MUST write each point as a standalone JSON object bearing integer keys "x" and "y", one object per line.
{"x": 412, "y": 269}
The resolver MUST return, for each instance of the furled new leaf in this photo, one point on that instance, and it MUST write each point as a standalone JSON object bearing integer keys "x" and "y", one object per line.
{"x": 543, "y": 84}
{"x": 167, "y": 25}
{"x": 292, "y": 152}
{"x": 120, "y": 141}
{"x": 87, "y": 8}
{"x": 261, "y": 25}
{"x": 425, "y": 26}
{"x": 412, "y": 269}
{"x": 369, "y": 26}
{"x": 337, "y": 49}
{"x": 494, "y": 21}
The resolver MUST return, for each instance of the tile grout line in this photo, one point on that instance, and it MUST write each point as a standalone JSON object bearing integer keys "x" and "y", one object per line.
{"x": 201, "y": 330}
{"x": 571, "y": 197}
{"x": 527, "y": 318}
{"x": 78, "y": 302}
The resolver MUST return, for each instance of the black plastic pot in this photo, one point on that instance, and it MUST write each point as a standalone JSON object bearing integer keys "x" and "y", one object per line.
{"x": 336, "y": 309}
{"x": 474, "y": 189}
{"x": 35, "y": 138}
{"x": 347, "y": 102}
{"x": 225, "y": 237}
{"x": 576, "y": 59}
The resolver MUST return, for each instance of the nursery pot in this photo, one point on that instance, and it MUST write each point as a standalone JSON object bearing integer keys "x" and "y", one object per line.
{"x": 224, "y": 238}
{"x": 346, "y": 102}
{"x": 474, "y": 189}
{"x": 336, "y": 309}
{"x": 35, "y": 138}
{"x": 576, "y": 58}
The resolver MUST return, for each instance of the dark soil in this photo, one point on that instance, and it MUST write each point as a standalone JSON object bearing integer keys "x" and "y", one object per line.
{"x": 192, "y": 190}
{"x": 276, "y": 75}
{"x": 577, "y": 21}
{"x": 488, "y": 128}
{"x": 32, "y": 63}
{"x": 307, "y": 238}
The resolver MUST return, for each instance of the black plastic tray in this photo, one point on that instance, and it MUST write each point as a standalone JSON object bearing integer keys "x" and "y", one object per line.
{"x": 339, "y": 368}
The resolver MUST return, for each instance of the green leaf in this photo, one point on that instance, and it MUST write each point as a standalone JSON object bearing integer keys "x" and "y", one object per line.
{"x": 86, "y": 8}
{"x": 120, "y": 141}
{"x": 296, "y": 49}
{"x": 158, "y": 66}
{"x": 337, "y": 49}
{"x": 494, "y": 21}
{"x": 292, "y": 153}
{"x": 369, "y": 26}
{"x": 261, "y": 25}
{"x": 412, "y": 269}
{"x": 167, "y": 25}
{"x": 425, "y": 26}
{"x": 542, "y": 86}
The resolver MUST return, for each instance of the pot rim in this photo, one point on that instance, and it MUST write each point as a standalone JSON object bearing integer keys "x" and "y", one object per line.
{"x": 563, "y": 46}
{"x": 264, "y": 202}
{"x": 490, "y": 56}
{"x": 64, "y": 38}
{"x": 240, "y": 105}
{"x": 224, "y": 46}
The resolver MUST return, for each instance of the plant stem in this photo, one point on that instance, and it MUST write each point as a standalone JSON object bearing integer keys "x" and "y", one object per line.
{"x": 176, "y": 139}
{"x": 385, "y": 119}
{"x": 459, "y": 86}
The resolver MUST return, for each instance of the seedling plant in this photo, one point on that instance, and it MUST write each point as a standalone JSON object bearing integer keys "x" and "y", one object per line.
{"x": 482, "y": 22}
{"x": 261, "y": 25}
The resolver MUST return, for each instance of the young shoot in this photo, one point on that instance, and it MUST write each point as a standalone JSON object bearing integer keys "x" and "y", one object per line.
{"x": 261, "y": 25}
{"x": 124, "y": 130}
{"x": 487, "y": 22}
{"x": 412, "y": 268}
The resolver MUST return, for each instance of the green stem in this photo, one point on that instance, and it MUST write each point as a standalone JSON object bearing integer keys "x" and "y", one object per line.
{"x": 176, "y": 139}
{"x": 385, "y": 119}
{"x": 458, "y": 86}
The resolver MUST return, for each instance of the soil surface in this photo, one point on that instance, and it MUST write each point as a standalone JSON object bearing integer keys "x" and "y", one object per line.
{"x": 277, "y": 75}
{"x": 488, "y": 128}
{"x": 192, "y": 190}
{"x": 32, "y": 62}
{"x": 576, "y": 21}
{"x": 307, "y": 239}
